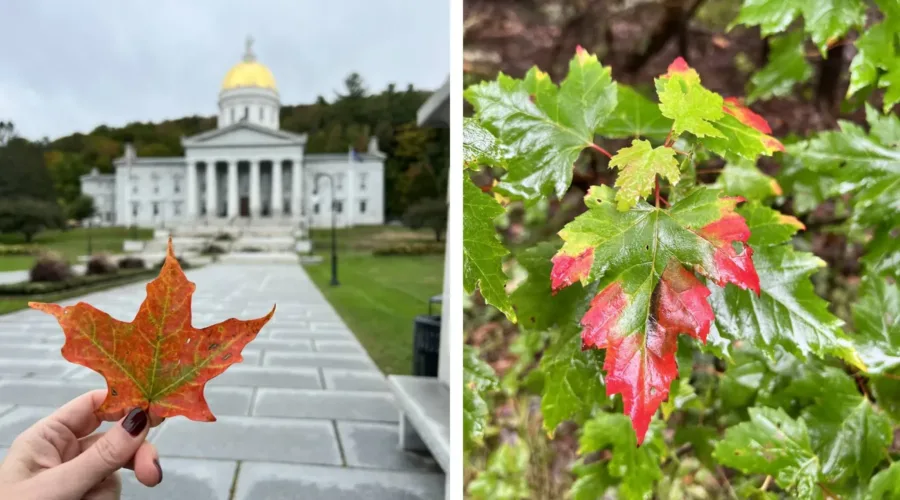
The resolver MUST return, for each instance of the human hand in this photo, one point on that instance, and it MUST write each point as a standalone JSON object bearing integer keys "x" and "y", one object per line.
{"x": 58, "y": 459}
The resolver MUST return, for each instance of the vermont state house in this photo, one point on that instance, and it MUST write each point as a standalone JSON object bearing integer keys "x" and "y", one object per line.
{"x": 245, "y": 172}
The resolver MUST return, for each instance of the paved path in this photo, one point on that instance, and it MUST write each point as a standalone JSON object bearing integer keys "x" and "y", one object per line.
{"x": 306, "y": 415}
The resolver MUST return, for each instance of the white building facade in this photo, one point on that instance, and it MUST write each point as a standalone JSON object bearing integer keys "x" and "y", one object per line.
{"x": 245, "y": 172}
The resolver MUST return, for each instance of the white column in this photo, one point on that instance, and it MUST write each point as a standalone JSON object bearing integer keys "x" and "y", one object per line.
{"x": 192, "y": 190}
{"x": 232, "y": 189}
{"x": 277, "y": 203}
{"x": 254, "y": 189}
{"x": 211, "y": 191}
{"x": 296, "y": 186}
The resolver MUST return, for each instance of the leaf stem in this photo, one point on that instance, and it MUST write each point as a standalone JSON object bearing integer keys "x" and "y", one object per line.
{"x": 598, "y": 148}
{"x": 656, "y": 178}
{"x": 766, "y": 483}
{"x": 828, "y": 493}
{"x": 669, "y": 138}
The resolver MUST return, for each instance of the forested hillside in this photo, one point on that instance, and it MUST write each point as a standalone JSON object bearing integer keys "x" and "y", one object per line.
{"x": 415, "y": 169}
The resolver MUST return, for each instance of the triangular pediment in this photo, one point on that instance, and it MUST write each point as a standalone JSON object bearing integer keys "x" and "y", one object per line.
{"x": 243, "y": 134}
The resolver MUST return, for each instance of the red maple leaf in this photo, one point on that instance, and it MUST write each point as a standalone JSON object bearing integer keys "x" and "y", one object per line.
{"x": 642, "y": 307}
{"x": 642, "y": 366}
{"x": 158, "y": 361}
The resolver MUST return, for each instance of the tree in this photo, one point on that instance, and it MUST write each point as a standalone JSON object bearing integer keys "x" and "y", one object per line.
{"x": 28, "y": 216}
{"x": 430, "y": 213}
{"x": 7, "y": 132}
{"x": 23, "y": 171}
{"x": 81, "y": 208}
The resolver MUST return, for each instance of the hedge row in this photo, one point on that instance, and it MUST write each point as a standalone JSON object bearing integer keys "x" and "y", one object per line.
{"x": 27, "y": 288}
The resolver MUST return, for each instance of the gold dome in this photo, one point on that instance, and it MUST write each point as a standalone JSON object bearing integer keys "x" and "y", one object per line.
{"x": 249, "y": 73}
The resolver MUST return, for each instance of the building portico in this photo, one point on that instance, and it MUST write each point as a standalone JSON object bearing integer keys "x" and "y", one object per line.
{"x": 246, "y": 171}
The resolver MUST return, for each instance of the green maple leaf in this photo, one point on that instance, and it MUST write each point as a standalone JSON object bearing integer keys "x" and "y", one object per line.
{"x": 480, "y": 147}
{"x": 787, "y": 67}
{"x": 544, "y": 127}
{"x": 862, "y": 164}
{"x": 772, "y": 16}
{"x": 773, "y": 443}
{"x": 573, "y": 381}
{"x": 478, "y": 379}
{"x": 505, "y": 475}
{"x": 828, "y": 20}
{"x": 876, "y": 52}
{"x": 847, "y": 433}
{"x": 636, "y": 468}
{"x": 692, "y": 107}
{"x": 787, "y": 312}
{"x": 744, "y": 179}
{"x": 482, "y": 250}
{"x": 536, "y": 308}
{"x": 635, "y": 116}
{"x": 886, "y": 484}
{"x": 876, "y": 320}
{"x": 638, "y": 166}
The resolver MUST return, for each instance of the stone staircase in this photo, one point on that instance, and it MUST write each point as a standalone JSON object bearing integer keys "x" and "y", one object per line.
{"x": 240, "y": 238}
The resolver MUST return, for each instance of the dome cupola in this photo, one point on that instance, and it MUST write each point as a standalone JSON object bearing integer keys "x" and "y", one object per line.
{"x": 249, "y": 93}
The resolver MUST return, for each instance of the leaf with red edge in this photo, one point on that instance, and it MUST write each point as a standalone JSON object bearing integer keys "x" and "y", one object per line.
{"x": 725, "y": 126}
{"x": 745, "y": 134}
{"x": 643, "y": 260}
{"x": 158, "y": 361}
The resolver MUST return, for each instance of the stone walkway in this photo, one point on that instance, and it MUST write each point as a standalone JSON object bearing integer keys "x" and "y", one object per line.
{"x": 306, "y": 415}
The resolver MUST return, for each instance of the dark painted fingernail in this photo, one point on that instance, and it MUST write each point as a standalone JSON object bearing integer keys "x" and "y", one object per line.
{"x": 135, "y": 422}
{"x": 158, "y": 468}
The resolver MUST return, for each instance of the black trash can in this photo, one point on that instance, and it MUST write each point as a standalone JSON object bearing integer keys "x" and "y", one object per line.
{"x": 427, "y": 341}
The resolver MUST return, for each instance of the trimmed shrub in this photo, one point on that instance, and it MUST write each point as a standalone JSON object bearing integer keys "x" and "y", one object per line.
{"x": 100, "y": 264}
{"x": 132, "y": 263}
{"x": 212, "y": 249}
{"x": 19, "y": 250}
{"x": 27, "y": 288}
{"x": 410, "y": 249}
{"x": 251, "y": 249}
{"x": 223, "y": 237}
{"x": 50, "y": 268}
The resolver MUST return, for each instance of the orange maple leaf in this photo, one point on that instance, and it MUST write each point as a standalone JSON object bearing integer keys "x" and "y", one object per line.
{"x": 159, "y": 361}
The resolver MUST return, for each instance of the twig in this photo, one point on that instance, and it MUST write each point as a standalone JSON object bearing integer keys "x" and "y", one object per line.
{"x": 766, "y": 483}
{"x": 598, "y": 148}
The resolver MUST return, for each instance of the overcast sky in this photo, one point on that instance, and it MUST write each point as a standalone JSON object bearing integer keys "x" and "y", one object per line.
{"x": 69, "y": 66}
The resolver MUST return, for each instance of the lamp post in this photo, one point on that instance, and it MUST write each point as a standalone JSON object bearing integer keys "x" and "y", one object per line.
{"x": 89, "y": 246}
{"x": 334, "y": 279}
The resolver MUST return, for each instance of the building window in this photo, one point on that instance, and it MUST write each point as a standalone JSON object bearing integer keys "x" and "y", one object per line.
{"x": 232, "y": 115}
{"x": 135, "y": 208}
{"x": 338, "y": 206}
{"x": 134, "y": 189}
{"x": 155, "y": 208}
{"x": 362, "y": 182}
{"x": 262, "y": 113}
{"x": 316, "y": 208}
{"x": 339, "y": 178}
{"x": 362, "y": 206}
{"x": 177, "y": 208}
{"x": 156, "y": 189}
{"x": 246, "y": 112}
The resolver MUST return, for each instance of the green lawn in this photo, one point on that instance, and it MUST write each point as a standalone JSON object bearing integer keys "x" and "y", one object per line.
{"x": 379, "y": 297}
{"x": 70, "y": 244}
{"x": 364, "y": 238}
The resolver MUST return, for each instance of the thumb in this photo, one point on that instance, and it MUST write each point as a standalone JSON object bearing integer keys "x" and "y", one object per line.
{"x": 108, "y": 454}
